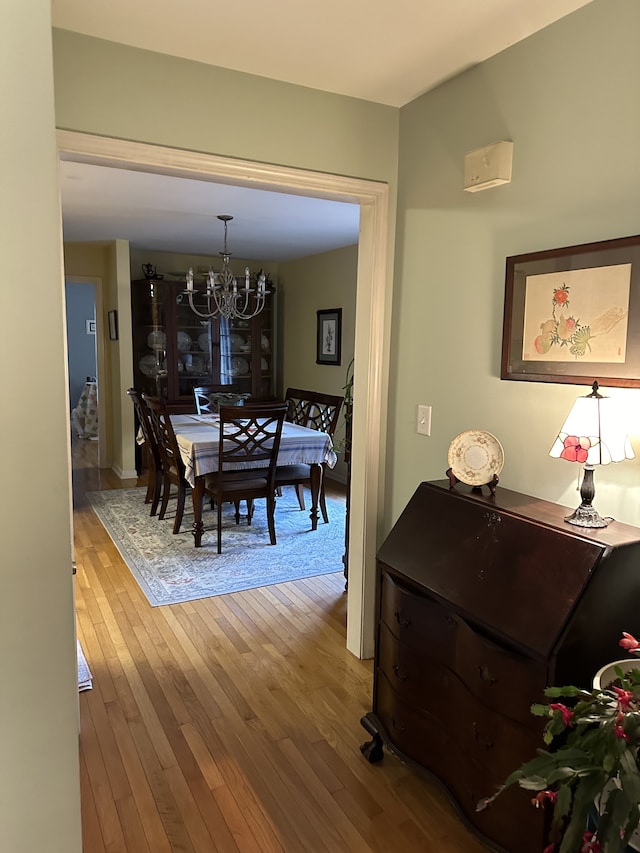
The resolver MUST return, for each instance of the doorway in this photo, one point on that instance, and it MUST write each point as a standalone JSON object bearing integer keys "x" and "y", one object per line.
{"x": 371, "y": 335}
{"x": 88, "y": 290}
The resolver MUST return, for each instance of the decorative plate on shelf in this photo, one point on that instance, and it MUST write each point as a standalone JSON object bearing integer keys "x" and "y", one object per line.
{"x": 148, "y": 365}
{"x": 239, "y": 366}
{"x": 475, "y": 456}
{"x": 236, "y": 341}
{"x": 203, "y": 341}
{"x": 157, "y": 339}
{"x": 264, "y": 364}
{"x": 264, "y": 343}
{"x": 184, "y": 342}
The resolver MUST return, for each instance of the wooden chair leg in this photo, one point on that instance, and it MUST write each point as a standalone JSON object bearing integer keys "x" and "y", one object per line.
{"x": 150, "y": 479}
{"x": 323, "y": 505}
{"x": 166, "y": 488}
{"x": 179, "y": 509}
{"x": 219, "y": 509}
{"x": 300, "y": 493}
{"x": 271, "y": 518}
{"x": 237, "y": 506}
{"x": 157, "y": 491}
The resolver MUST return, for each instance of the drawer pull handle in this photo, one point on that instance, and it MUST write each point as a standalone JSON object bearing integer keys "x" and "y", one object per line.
{"x": 399, "y": 673}
{"x": 397, "y": 726}
{"x": 485, "y": 675}
{"x": 403, "y": 623}
{"x": 483, "y": 741}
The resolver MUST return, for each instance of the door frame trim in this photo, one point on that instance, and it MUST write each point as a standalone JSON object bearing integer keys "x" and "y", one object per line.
{"x": 372, "y": 329}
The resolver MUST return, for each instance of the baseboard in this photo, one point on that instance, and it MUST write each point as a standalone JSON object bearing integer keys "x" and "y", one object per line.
{"x": 124, "y": 474}
{"x": 337, "y": 478}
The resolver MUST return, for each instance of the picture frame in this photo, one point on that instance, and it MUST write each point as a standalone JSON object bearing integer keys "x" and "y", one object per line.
{"x": 113, "y": 325}
{"x": 572, "y": 315}
{"x": 329, "y": 336}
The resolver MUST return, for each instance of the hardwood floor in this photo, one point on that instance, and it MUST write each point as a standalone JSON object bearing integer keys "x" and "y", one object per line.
{"x": 231, "y": 723}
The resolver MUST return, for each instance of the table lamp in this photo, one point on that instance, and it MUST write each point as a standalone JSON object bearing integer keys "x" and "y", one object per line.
{"x": 594, "y": 433}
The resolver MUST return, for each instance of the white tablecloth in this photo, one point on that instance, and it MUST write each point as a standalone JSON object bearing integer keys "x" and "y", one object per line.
{"x": 198, "y": 437}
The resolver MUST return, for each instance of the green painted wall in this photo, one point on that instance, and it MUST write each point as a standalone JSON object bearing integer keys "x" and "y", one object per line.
{"x": 39, "y": 768}
{"x": 110, "y": 89}
{"x": 327, "y": 280}
{"x": 568, "y": 99}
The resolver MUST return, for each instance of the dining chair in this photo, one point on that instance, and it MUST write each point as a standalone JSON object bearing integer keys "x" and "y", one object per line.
{"x": 247, "y": 454}
{"x": 209, "y": 398}
{"x": 173, "y": 471}
{"x": 314, "y": 410}
{"x": 152, "y": 451}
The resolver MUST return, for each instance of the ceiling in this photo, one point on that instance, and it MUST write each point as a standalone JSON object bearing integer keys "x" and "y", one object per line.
{"x": 379, "y": 51}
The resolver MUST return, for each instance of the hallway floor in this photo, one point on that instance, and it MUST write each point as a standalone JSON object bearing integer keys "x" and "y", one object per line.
{"x": 231, "y": 723}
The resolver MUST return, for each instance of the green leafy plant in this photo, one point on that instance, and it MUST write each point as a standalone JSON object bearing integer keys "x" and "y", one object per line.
{"x": 341, "y": 446}
{"x": 593, "y": 739}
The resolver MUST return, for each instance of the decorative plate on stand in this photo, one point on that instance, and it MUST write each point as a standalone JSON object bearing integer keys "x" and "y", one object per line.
{"x": 475, "y": 457}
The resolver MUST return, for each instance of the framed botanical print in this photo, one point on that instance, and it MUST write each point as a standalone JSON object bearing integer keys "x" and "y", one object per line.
{"x": 572, "y": 315}
{"x": 329, "y": 336}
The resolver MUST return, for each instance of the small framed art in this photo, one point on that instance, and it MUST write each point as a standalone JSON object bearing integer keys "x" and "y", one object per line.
{"x": 329, "y": 343}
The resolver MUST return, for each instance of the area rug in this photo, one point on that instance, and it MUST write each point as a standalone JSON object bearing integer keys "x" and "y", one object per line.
{"x": 85, "y": 679}
{"x": 170, "y": 570}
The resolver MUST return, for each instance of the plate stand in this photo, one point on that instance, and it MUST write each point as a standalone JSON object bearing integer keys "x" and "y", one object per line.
{"x": 491, "y": 485}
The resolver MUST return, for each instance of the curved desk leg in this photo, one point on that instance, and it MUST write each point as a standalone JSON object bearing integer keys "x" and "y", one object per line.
{"x": 316, "y": 480}
{"x": 197, "y": 495}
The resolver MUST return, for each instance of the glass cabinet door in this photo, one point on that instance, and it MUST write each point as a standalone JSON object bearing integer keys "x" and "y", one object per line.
{"x": 174, "y": 349}
{"x": 150, "y": 338}
{"x": 235, "y": 354}
{"x": 197, "y": 345}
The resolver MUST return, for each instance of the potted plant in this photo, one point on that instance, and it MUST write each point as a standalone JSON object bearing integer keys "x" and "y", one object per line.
{"x": 590, "y": 775}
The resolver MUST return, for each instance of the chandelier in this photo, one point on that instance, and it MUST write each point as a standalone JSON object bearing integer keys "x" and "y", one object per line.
{"x": 226, "y": 297}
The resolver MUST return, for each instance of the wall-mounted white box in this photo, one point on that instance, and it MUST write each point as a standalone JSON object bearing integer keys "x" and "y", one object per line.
{"x": 488, "y": 167}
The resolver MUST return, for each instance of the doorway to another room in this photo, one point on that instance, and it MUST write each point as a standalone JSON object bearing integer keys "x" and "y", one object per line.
{"x": 85, "y": 360}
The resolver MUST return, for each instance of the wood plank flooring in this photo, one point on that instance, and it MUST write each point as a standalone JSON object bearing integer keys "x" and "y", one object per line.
{"x": 232, "y": 723}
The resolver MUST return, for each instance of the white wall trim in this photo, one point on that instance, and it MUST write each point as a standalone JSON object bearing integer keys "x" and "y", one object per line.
{"x": 374, "y": 284}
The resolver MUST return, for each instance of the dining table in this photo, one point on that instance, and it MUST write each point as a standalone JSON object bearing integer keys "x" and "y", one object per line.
{"x": 198, "y": 438}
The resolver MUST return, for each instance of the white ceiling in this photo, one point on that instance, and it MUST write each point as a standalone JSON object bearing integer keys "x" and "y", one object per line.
{"x": 164, "y": 213}
{"x": 387, "y": 52}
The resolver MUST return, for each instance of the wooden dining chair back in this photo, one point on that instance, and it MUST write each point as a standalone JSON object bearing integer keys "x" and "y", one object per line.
{"x": 151, "y": 451}
{"x": 314, "y": 410}
{"x": 247, "y": 455}
{"x": 173, "y": 471}
{"x": 209, "y": 398}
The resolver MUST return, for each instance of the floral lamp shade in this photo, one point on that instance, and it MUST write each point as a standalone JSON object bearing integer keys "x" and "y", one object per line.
{"x": 594, "y": 433}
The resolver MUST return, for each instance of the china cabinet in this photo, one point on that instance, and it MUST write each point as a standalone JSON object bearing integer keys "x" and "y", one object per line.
{"x": 174, "y": 349}
{"x": 482, "y": 601}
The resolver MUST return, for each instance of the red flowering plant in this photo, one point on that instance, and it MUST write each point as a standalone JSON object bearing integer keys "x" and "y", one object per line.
{"x": 590, "y": 775}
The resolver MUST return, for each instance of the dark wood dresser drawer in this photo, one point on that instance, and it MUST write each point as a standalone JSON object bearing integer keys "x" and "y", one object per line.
{"x": 418, "y": 621}
{"x": 504, "y": 680}
{"x": 501, "y": 679}
{"x": 416, "y": 676}
{"x": 468, "y": 774}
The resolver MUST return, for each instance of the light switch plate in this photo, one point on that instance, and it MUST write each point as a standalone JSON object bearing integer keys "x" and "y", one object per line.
{"x": 423, "y": 427}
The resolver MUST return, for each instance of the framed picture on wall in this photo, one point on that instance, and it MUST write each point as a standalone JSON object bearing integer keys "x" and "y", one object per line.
{"x": 572, "y": 315}
{"x": 113, "y": 325}
{"x": 329, "y": 343}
